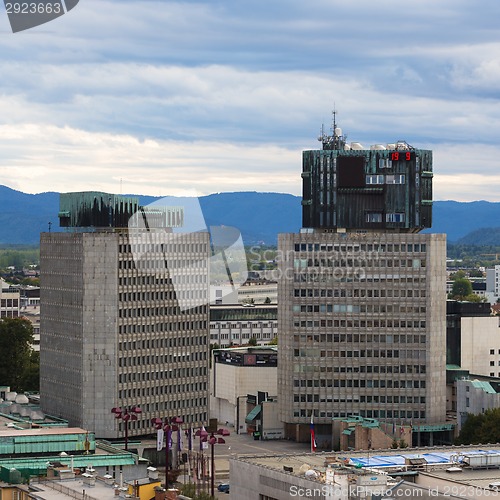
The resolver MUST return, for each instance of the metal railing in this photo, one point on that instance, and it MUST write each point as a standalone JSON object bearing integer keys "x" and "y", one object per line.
{"x": 68, "y": 491}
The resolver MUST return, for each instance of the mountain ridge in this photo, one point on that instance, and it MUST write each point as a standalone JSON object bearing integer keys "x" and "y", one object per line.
{"x": 259, "y": 216}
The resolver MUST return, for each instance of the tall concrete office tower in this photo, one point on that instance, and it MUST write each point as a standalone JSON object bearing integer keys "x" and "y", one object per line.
{"x": 119, "y": 329}
{"x": 361, "y": 295}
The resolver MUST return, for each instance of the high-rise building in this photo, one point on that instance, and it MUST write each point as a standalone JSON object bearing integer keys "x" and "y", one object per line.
{"x": 361, "y": 296}
{"x": 118, "y": 326}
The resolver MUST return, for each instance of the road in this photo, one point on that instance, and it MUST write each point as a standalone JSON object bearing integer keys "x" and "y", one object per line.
{"x": 243, "y": 444}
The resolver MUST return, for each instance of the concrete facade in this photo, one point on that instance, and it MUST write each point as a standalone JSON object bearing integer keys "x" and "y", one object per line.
{"x": 236, "y": 324}
{"x": 113, "y": 334}
{"x": 362, "y": 326}
{"x": 232, "y": 379}
{"x": 260, "y": 292}
{"x": 480, "y": 345}
{"x": 9, "y": 301}
{"x": 476, "y": 396}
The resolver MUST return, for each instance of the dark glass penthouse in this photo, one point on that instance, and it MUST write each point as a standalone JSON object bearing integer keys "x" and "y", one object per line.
{"x": 384, "y": 188}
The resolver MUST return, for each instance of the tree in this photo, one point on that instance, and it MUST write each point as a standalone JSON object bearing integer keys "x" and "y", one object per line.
{"x": 252, "y": 341}
{"x": 481, "y": 429}
{"x": 31, "y": 381}
{"x": 461, "y": 288}
{"x": 458, "y": 275}
{"x": 474, "y": 298}
{"x": 16, "y": 336}
{"x": 274, "y": 341}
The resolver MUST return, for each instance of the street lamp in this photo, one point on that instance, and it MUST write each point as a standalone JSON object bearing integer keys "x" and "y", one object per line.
{"x": 212, "y": 440}
{"x": 168, "y": 425}
{"x": 126, "y": 414}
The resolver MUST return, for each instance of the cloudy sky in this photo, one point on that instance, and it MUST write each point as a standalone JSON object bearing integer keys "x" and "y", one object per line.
{"x": 170, "y": 97}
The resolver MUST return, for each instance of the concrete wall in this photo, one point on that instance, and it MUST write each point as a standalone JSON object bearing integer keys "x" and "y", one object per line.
{"x": 100, "y": 332}
{"x": 61, "y": 326}
{"x": 474, "y": 400}
{"x": 435, "y": 407}
{"x": 233, "y": 381}
{"x": 272, "y": 427}
{"x": 480, "y": 336}
{"x": 230, "y": 384}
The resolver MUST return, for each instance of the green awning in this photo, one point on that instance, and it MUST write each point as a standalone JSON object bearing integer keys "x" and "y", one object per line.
{"x": 348, "y": 431}
{"x": 253, "y": 414}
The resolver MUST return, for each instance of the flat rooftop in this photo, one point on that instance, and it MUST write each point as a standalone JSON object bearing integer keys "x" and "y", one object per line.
{"x": 477, "y": 478}
{"x": 41, "y": 431}
{"x": 386, "y": 461}
{"x": 73, "y": 488}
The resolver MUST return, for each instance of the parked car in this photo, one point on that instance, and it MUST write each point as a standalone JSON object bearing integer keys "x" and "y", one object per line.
{"x": 224, "y": 487}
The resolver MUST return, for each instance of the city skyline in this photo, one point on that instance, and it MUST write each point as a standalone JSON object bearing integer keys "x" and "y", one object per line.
{"x": 164, "y": 97}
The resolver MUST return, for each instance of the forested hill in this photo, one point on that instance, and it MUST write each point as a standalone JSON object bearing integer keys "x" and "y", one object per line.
{"x": 259, "y": 216}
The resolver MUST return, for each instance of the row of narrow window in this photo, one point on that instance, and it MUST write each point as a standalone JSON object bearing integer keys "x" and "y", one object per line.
{"x": 361, "y": 247}
{"x": 390, "y": 414}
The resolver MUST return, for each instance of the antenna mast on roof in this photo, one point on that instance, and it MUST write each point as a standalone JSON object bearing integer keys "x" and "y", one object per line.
{"x": 336, "y": 140}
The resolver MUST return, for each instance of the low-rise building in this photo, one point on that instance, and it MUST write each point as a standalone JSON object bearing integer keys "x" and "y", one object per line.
{"x": 253, "y": 291}
{"x": 237, "y": 373}
{"x": 473, "y": 337}
{"x": 475, "y": 395}
{"x": 453, "y": 472}
{"x": 9, "y": 301}
{"x": 236, "y": 324}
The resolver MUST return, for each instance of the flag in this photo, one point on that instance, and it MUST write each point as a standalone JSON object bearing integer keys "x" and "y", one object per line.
{"x": 190, "y": 439}
{"x": 169, "y": 437}
{"x": 159, "y": 440}
{"x": 313, "y": 437}
{"x": 393, "y": 428}
{"x": 179, "y": 439}
{"x": 203, "y": 444}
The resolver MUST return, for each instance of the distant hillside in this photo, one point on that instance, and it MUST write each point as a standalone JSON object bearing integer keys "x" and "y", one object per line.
{"x": 458, "y": 219}
{"x": 486, "y": 236}
{"x": 259, "y": 216}
{"x": 24, "y": 216}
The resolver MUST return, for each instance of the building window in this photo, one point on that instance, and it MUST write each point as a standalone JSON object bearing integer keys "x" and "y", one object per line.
{"x": 395, "y": 179}
{"x": 395, "y": 217}
{"x": 373, "y": 217}
{"x": 374, "y": 179}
